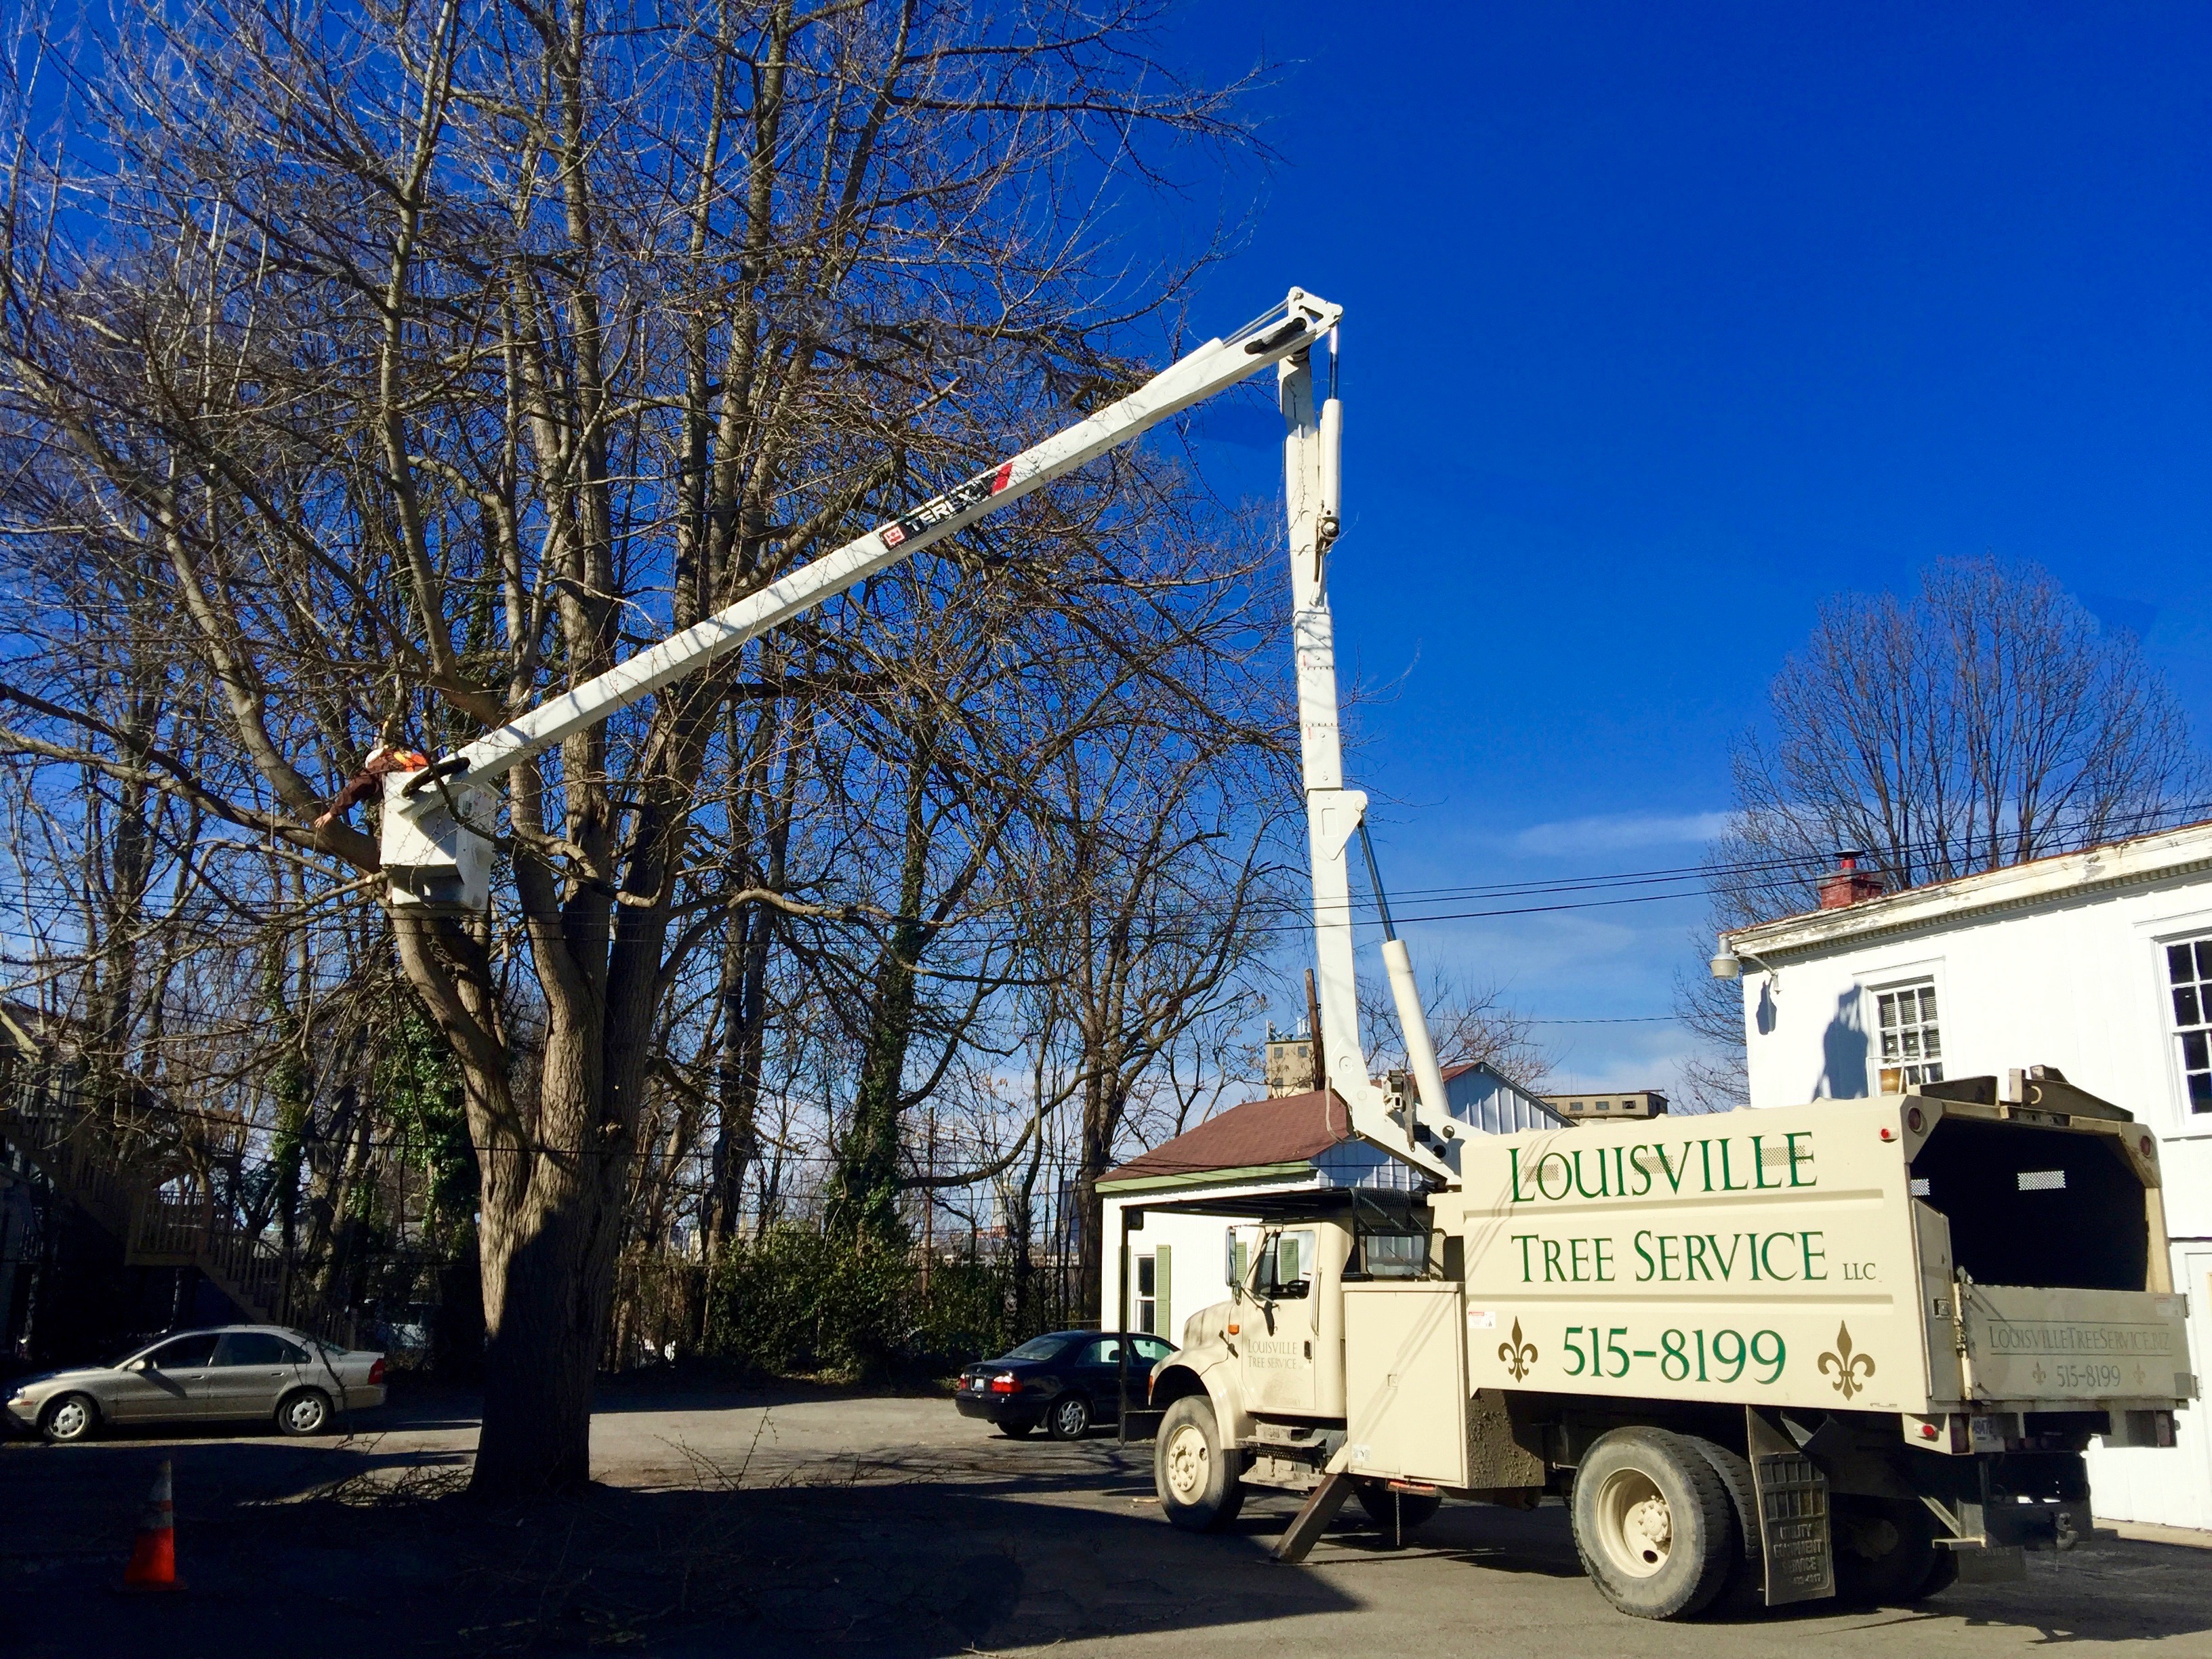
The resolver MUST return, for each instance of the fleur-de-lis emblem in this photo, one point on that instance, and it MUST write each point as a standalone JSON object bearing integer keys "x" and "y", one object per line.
{"x": 2040, "y": 1376}
{"x": 1850, "y": 1370}
{"x": 1518, "y": 1356}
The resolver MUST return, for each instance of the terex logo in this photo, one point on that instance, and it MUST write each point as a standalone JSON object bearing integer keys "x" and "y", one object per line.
{"x": 953, "y": 502}
{"x": 1708, "y": 1165}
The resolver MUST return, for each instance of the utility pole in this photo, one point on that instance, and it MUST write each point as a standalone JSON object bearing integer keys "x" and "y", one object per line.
{"x": 1313, "y": 1032}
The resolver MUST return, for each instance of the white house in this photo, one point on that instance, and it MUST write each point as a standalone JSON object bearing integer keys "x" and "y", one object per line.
{"x": 1168, "y": 1212}
{"x": 2097, "y": 962}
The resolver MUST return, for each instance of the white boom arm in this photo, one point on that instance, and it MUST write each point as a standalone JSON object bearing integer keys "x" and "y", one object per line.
{"x": 1312, "y": 476}
{"x": 436, "y": 849}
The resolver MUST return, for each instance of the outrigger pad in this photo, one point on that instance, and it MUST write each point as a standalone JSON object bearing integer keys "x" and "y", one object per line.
{"x": 1313, "y": 1517}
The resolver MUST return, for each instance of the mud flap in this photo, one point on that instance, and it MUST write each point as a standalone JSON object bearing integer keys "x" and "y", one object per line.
{"x": 1793, "y": 1537}
{"x": 1313, "y": 1517}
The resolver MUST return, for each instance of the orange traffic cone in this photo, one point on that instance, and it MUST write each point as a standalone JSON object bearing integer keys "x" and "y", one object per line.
{"x": 153, "y": 1554}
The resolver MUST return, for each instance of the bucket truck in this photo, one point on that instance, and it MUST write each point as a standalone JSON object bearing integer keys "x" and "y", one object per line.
{"x": 1767, "y": 1358}
{"x": 1764, "y": 1358}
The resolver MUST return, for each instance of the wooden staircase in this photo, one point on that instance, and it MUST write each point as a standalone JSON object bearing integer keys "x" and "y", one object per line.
{"x": 167, "y": 1215}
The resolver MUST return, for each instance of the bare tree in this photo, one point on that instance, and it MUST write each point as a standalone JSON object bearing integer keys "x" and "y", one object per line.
{"x": 1986, "y": 722}
{"x": 1162, "y": 917}
{"x": 420, "y": 361}
{"x": 1470, "y": 1024}
{"x": 1989, "y": 721}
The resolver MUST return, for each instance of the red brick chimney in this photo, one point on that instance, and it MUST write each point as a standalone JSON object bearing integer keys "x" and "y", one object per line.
{"x": 1846, "y": 885}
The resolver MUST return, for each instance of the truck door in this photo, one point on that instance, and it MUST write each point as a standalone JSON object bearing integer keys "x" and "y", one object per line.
{"x": 1280, "y": 1331}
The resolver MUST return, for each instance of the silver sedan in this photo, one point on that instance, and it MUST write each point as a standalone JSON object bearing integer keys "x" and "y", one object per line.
{"x": 236, "y": 1371}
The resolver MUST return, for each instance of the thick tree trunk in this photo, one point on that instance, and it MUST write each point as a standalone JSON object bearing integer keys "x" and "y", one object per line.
{"x": 745, "y": 990}
{"x": 864, "y": 1200}
{"x": 1021, "y": 1224}
{"x": 549, "y": 1232}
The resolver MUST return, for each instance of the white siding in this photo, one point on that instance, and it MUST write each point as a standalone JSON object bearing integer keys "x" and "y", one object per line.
{"x": 2076, "y": 982}
{"x": 1196, "y": 1252}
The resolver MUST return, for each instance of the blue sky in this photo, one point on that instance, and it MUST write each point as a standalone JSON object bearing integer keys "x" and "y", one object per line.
{"x": 1662, "y": 324}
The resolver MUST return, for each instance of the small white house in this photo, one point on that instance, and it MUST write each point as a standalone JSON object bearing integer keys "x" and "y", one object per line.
{"x": 2097, "y": 962}
{"x": 1169, "y": 1212}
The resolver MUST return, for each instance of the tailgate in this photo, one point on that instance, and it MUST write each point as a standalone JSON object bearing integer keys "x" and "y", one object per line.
{"x": 2062, "y": 1347}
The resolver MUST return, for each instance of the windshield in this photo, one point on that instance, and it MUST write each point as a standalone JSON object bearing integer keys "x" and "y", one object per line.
{"x": 1039, "y": 1347}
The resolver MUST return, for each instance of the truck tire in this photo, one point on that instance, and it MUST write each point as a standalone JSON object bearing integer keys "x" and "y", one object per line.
{"x": 1745, "y": 1591}
{"x": 1398, "y": 1513}
{"x": 1654, "y": 1525}
{"x": 1194, "y": 1474}
{"x": 1886, "y": 1553}
{"x": 1941, "y": 1576}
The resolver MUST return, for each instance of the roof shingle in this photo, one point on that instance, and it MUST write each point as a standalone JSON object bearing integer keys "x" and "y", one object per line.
{"x": 1288, "y": 1129}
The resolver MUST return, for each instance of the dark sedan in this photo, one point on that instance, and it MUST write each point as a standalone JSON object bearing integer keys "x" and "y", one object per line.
{"x": 1067, "y": 1381}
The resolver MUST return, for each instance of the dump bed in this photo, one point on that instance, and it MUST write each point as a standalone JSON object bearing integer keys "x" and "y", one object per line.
{"x": 1894, "y": 1255}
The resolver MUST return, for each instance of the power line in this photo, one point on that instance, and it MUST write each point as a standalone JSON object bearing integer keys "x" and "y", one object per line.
{"x": 1624, "y": 1019}
{"x": 1781, "y": 873}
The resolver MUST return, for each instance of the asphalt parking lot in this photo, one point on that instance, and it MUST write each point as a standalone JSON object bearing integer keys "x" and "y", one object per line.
{"x": 770, "y": 1524}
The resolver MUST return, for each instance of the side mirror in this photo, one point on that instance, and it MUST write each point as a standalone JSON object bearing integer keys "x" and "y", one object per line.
{"x": 139, "y": 1364}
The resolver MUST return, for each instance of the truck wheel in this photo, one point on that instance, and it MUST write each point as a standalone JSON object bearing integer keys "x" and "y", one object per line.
{"x": 1194, "y": 1475}
{"x": 1398, "y": 1513}
{"x": 1654, "y": 1525}
{"x": 1886, "y": 1553}
{"x": 1745, "y": 1591}
{"x": 1941, "y": 1576}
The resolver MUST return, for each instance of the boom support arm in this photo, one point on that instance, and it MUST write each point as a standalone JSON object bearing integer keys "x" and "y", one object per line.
{"x": 1313, "y": 433}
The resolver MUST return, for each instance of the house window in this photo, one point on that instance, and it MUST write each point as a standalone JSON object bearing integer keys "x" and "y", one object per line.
{"x": 1148, "y": 1305}
{"x": 1912, "y": 1044}
{"x": 2189, "y": 973}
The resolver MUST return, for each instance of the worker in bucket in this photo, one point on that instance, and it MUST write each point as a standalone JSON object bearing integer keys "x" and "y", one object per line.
{"x": 387, "y": 758}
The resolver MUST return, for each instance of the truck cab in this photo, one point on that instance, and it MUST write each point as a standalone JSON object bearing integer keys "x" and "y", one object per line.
{"x": 1264, "y": 1369}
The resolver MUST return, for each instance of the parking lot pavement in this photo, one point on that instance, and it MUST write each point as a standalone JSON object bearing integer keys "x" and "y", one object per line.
{"x": 795, "y": 1523}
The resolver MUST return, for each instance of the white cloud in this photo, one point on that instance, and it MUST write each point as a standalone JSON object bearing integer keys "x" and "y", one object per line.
{"x": 1618, "y": 832}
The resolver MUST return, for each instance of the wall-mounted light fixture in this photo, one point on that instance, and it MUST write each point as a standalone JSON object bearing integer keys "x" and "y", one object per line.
{"x": 1727, "y": 962}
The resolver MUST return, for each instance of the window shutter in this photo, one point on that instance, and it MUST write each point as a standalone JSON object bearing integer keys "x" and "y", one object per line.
{"x": 1162, "y": 1282}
